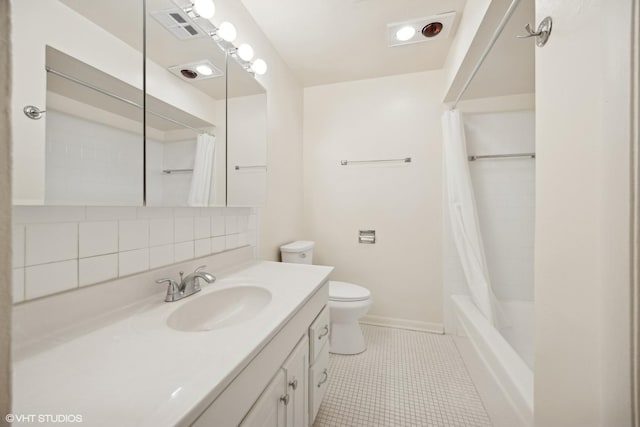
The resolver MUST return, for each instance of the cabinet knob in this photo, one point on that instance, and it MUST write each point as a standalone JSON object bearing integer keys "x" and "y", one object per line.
{"x": 325, "y": 332}
{"x": 293, "y": 384}
{"x": 285, "y": 399}
{"x": 324, "y": 380}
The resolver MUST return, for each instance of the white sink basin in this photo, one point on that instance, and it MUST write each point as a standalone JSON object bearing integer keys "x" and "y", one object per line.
{"x": 220, "y": 309}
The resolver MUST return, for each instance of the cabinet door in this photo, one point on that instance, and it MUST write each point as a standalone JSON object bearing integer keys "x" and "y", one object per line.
{"x": 269, "y": 409}
{"x": 297, "y": 369}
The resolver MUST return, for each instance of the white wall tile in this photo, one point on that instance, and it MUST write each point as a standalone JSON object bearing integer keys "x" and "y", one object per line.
{"x": 47, "y": 214}
{"x": 160, "y": 255}
{"x": 231, "y": 241}
{"x": 185, "y": 212}
{"x": 230, "y": 224}
{"x": 98, "y": 238}
{"x": 253, "y": 222}
{"x": 183, "y": 251}
{"x": 217, "y": 226}
{"x": 252, "y": 237}
{"x": 243, "y": 239}
{"x": 17, "y": 245}
{"x": 133, "y": 261}
{"x": 243, "y": 223}
{"x": 183, "y": 229}
{"x": 51, "y": 242}
{"x": 151, "y": 212}
{"x": 46, "y": 279}
{"x": 98, "y": 269}
{"x": 202, "y": 227}
{"x": 17, "y": 290}
{"x": 110, "y": 213}
{"x": 217, "y": 244}
{"x": 134, "y": 234}
{"x": 160, "y": 231}
{"x": 202, "y": 247}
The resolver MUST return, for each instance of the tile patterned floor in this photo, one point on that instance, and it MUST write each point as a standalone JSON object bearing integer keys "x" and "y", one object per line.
{"x": 404, "y": 379}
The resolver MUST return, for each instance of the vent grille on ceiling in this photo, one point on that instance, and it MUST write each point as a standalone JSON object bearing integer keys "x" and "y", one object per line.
{"x": 177, "y": 23}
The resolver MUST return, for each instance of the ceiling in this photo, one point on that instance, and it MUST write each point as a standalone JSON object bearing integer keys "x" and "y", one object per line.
{"x": 509, "y": 68}
{"x": 330, "y": 41}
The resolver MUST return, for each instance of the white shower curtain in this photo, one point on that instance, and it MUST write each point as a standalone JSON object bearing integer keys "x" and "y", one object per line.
{"x": 203, "y": 171}
{"x": 464, "y": 218}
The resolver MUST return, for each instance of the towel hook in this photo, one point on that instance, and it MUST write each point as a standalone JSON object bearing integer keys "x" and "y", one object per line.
{"x": 542, "y": 34}
{"x": 33, "y": 112}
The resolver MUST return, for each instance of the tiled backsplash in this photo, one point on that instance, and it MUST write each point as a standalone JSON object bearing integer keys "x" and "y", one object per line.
{"x": 60, "y": 248}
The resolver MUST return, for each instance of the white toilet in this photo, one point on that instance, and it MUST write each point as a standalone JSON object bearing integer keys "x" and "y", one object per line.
{"x": 347, "y": 303}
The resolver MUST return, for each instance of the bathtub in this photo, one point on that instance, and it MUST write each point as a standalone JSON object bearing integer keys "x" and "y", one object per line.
{"x": 507, "y": 367}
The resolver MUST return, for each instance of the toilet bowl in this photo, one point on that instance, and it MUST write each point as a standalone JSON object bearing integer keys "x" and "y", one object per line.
{"x": 347, "y": 303}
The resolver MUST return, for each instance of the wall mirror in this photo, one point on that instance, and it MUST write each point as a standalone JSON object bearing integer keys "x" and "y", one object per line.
{"x": 91, "y": 135}
{"x": 246, "y": 137}
{"x": 82, "y": 140}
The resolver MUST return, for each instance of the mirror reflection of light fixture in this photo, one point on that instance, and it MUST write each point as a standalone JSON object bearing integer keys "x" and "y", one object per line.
{"x": 405, "y": 33}
{"x": 259, "y": 66}
{"x": 204, "y": 8}
{"x": 245, "y": 52}
{"x": 204, "y": 70}
{"x": 227, "y": 31}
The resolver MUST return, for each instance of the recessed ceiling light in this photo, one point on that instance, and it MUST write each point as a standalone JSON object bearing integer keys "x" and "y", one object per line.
{"x": 427, "y": 29}
{"x": 405, "y": 33}
{"x": 204, "y": 69}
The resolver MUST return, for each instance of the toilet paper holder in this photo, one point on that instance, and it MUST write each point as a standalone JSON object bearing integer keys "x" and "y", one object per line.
{"x": 367, "y": 237}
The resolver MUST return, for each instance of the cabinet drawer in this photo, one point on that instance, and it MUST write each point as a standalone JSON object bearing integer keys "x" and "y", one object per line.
{"x": 319, "y": 334}
{"x": 318, "y": 382}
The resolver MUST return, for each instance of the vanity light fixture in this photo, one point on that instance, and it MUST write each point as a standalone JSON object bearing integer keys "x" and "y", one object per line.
{"x": 245, "y": 52}
{"x": 227, "y": 31}
{"x": 259, "y": 66}
{"x": 204, "y": 8}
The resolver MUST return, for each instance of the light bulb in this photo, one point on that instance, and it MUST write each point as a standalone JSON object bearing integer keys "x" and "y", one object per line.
{"x": 405, "y": 33}
{"x": 204, "y": 8}
{"x": 259, "y": 66}
{"x": 227, "y": 31}
{"x": 245, "y": 52}
{"x": 204, "y": 69}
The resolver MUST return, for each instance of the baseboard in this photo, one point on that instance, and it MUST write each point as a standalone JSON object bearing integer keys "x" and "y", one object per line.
{"x": 412, "y": 325}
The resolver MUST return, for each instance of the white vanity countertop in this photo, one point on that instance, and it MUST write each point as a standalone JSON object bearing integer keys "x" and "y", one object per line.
{"x": 139, "y": 372}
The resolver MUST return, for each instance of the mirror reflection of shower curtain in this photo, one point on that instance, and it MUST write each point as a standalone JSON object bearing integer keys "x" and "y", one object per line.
{"x": 202, "y": 188}
{"x": 464, "y": 218}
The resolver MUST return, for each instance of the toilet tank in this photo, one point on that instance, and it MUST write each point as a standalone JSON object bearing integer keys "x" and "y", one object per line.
{"x": 299, "y": 252}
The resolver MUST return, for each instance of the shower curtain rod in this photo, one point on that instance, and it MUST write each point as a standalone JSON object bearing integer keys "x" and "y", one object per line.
{"x": 119, "y": 98}
{"x": 485, "y": 53}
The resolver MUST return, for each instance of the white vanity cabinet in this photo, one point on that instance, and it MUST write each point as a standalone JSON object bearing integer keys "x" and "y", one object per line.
{"x": 279, "y": 386}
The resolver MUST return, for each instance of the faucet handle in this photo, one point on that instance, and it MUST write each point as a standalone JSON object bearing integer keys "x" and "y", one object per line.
{"x": 172, "y": 290}
{"x": 199, "y": 268}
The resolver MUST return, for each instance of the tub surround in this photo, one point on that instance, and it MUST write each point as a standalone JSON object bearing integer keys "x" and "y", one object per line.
{"x": 138, "y": 371}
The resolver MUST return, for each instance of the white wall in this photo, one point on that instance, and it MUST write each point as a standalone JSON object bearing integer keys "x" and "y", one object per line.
{"x": 582, "y": 240}
{"x": 385, "y": 118}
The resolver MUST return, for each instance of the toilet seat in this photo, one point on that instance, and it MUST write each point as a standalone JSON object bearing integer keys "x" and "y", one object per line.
{"x": 346, "y": 292}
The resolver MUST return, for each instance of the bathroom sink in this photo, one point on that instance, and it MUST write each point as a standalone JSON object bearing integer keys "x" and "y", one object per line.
{"x": 220, "y": 309}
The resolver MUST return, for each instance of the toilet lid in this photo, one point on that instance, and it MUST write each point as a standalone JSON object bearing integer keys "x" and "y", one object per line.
{"x": 343, "y": 291}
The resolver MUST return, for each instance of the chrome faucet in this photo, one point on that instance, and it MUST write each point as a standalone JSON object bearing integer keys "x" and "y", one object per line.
{"x": 188, "y": 285}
